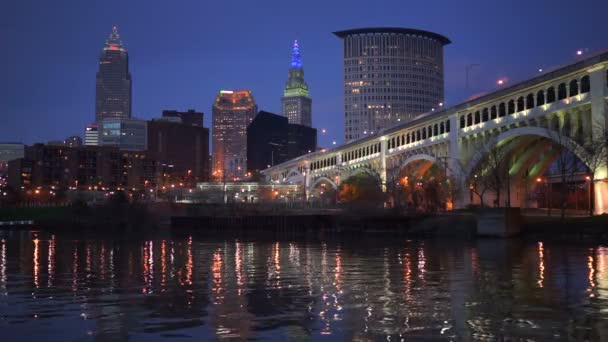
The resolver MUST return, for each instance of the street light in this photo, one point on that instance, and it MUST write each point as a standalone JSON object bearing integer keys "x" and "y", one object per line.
{"x": 547, "y": 194}
{"x": 589, "y": 180}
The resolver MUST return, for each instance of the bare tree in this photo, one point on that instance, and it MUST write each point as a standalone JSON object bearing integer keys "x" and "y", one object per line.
{"x": 594, "y": 153}
{"x": 567, "y": 164}
{"x": 492, "y": 170}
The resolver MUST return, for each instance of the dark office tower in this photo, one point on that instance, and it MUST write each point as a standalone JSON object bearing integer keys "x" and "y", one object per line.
{"x": 113, "y": 96}
{"x": 189, "y": 117}
{"x": 267, "y": 142}
{"x": 296, "y": 101}
{"x": 271, "y": 140}
{"x": 390, "y": 76}
{"x": 301, "y": 140}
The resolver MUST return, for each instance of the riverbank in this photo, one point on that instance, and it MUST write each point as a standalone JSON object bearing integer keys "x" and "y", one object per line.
{"x": 258, "y": 221}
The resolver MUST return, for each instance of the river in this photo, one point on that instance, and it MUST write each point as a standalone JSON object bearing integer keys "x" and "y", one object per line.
{"x": 59, "y": 288}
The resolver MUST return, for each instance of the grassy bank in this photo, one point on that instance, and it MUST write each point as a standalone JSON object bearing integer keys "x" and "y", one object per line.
{"x": 555, "y": 227}
{"x": 35, "y": 213}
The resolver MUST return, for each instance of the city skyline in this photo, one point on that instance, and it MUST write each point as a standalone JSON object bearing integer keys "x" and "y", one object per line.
{"x": 56, "y": 111}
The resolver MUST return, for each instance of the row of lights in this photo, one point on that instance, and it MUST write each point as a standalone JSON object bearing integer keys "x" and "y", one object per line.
{"x": 503, "y": 81}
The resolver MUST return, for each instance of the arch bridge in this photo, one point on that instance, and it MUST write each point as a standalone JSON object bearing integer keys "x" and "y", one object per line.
{"x": 566, "y": 107}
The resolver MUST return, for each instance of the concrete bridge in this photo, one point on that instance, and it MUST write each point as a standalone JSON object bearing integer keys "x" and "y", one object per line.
{"x": 566, "y": 108}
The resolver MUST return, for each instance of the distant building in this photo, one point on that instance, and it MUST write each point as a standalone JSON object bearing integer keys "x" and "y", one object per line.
{"x": 183, "y": 146}
{"x": 267, "y": 142}
{"x": 91, "y": 135}
{"x": 9, "y": 151}
{"x": 301, "y": 140}
{"x": 271, "y": 140}
{"x": 189, "y": 117}
{"x": 390, "y": 76}
{"x": 296, "y": 101}
{"x": 64, "y": 167}
{"x": 126, "y": 134}
{"x": 73, "y": 141}
{"x": 233, "y": 111}
{"x": 56, "y": 142}
{"x": 113, "y": 91}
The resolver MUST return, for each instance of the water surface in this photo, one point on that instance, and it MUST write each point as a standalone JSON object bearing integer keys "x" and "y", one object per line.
{"x": 55, "y": 288}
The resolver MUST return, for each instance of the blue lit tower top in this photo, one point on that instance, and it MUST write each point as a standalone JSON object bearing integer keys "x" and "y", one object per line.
{"x": 296, "y": 59}
{"x": 295, "y": 85}
{"x": 296, "y": 102}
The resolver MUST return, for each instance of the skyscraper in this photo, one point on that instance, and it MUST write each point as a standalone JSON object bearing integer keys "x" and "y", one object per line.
{"x": 296, "y": 101}
{"x": 113, "y": 91}
{"x": 390, "y": 76}
{"x": 233, "y": 111}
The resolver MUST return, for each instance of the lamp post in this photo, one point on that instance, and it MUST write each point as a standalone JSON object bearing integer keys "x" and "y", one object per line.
{"x": 547, "y": 193}
{"x": 589, "y": 180}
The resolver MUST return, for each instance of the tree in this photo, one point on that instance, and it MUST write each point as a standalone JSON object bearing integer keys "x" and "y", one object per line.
{"x": 567, "y": 164}
{"x": 361, "y": 190}
{"x": 492, "y": 170}
{"x": 594, "y": 153}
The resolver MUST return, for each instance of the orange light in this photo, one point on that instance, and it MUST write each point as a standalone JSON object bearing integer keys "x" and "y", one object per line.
{"x": 538, "y": 180}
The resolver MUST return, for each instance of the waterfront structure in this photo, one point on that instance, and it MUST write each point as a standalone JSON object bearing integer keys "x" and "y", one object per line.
{"x": 91, "y": 135}
{"x": 94, "y": 167}
{"x": 296, "y": 102}
{"x": 183, "y": 147}
{"x": 391, "y": 75}
{"x": 126, "y": 134}
{"x": 190, "y": 117}
{"x": 113, "y": 86}
{"x": 233, "y": 111}
{"x": 271, "y": 140}
{"x": 532, "y": 121}
{"x": 245, "y": 192}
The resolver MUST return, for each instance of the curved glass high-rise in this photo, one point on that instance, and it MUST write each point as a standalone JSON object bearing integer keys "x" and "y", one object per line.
{"x": 296, "y": 102}
{"x": 113, "y": 90}
{"x": 390, "y": 76}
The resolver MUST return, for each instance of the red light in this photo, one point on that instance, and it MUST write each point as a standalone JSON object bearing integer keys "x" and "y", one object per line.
{"x": 113, "y": 47}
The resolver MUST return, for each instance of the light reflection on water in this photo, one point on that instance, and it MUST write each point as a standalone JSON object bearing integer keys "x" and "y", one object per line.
{"x": 59, "y": 288}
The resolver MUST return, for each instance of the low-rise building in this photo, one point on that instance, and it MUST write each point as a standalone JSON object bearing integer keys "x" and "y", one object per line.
{"x": 126, "y": 134}
{"x": 183, "y": 149}
{"x": 86, "y": 167}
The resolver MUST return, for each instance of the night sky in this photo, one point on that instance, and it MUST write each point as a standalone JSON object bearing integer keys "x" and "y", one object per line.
{"x": 183, "y": 52}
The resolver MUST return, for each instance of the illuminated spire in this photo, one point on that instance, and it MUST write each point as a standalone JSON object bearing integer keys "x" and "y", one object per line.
{"x": 296, "y": 59}
{"x": 113, "y": 42}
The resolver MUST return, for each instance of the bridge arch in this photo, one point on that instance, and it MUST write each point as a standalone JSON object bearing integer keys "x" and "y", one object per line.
{"x": 555, "y": 137}
{"x": 294, "y": 175}
{"x": 324, "y": 179}
{"x": 360, "y": 170}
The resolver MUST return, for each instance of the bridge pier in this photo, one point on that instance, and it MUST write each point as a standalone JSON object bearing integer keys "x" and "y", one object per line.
{"x": 600, "y": 190}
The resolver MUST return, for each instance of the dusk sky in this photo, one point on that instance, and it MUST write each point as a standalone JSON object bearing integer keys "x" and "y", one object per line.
{"x": 183, "y": 52}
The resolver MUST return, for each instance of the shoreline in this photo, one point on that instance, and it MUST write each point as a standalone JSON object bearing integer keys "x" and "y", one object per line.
{"x": 178, "y": 220}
